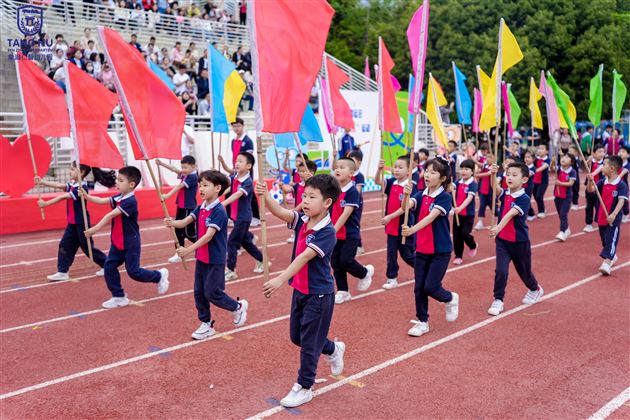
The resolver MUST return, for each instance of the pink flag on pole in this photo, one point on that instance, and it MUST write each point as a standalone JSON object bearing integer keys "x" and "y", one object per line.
{"x": 341, "y": 112}
{"x": 506, "y": 106}
{"x": 388, "y": 107}
{"x": 478, "y": 107}
{"x": 395, "y": 84}
{"x": 325, "y": 104}
{"x": 550, "y": 104}
{"x": 417, "y": 35}
{"x": 366, "y": 72}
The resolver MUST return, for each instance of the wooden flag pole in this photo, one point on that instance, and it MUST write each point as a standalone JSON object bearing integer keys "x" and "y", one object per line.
{"x": 411, "y": 146}
{"x": 263, "y": 211}
{"x": 383, "y": 175}
{"x": 83, "y": 208}
{"x": 589, "y": 165}
{"x": 214, "y": 162}
{"x": 220, "y": 148}
{"x": 275, "y": 149}
{"x": 159, "y": 171}
{"x": 455, "y": 203}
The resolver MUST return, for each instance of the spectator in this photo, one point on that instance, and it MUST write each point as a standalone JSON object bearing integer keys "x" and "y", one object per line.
{"x": 193, "y": 50}
{"x": 180, "y": 79}
{"x": 97, "y": 60}
{"x": 136, "y": 19}
{"x": 90, "y": 49}
{"x": 76, "y": 46}
{"x": 226, "y": 52}
{"x": 60, "y": 78}
{"x": 151, "y": 44}
{"x": 56, "y": 62}
{"x": 162, "y": 5}
{"x": 203, "y": 106}
{"x": 167, "y": 67}
{"x": 134, "y": 42}
{"x": 187, "y": 60}
{"x": 202, "y": 84}
{"x": 60, "y": 43}
{"x": 89, "y": 69}
{"x": 248, "y": 95}
{"x": 148, "y": 4}
{"x": 243, "y": 13}
{"x": 193, "y": 11}
{"x": 121, "y": 14}
{"x": 191, "y": 88}
{"x": 77, "y": 59}
{"x": 203, "y": 62}
{"x": 237, "y": 57}
{"x": 176, "y": 53}
{"x": 190, "y": 103}
{"x": 86, "y": 38}
{"x": 153, "y": 19}
{"x": 107, "y": 77}
{"x": 208, "y": 7}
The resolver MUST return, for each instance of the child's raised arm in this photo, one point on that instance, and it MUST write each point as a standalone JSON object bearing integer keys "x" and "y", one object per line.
{"x": 61, "y": 197}
{"x": 93, "y": 199}
{"x": 167, "y": 166}
{"x": 224, "y": 165}
{"x": 105, "y": 220}
{"x": 50, "y": 184}
{"x": 172, "y": 192}
{"x": 272, "y": 205}
{"x": 295, "y": 266}
{"x": 378, "y": 178}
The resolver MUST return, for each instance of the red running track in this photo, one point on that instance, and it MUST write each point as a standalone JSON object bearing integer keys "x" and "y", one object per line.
{"x": 565, "y": 357}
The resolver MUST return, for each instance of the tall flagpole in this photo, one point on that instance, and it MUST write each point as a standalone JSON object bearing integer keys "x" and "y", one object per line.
{"x": 209, "y": 61}
{"x": 497, "y": 118}
{"x": 381, "y": 116}
{"x": 331, "y": 110}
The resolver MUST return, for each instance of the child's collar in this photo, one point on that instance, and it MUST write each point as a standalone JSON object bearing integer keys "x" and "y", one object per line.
{"x": 516, "y": 193}
{"x": 468, "y": 181}
{"x": 402, "y": 183}
{"x": 243, "y": 178}
{"x": 122, "y": 197}
{"x": 206, "y": 206}
{"x": 320, "y": 225}
{"x": 347, "y": 186}
{"x": 434, "y": 193}
{"x": 614, "y": 181}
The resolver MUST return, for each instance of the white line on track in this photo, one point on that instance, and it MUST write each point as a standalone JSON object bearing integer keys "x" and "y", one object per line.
{"x": 280, "y": 318}
{"x": 612, "y": 405}
{"x": 436, "y": 343}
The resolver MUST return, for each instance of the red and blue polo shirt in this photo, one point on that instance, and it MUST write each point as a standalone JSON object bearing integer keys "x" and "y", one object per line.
{"x": 359, "y": 180}
{"x": 244, "y": 144}
{"x": 516, "y": 230}
{"x": 612, "y": 192}
{"x": 417, "y": 175}
{"x": 529, "y": 185}
{"x": 565, "y": 176}
{"x": 241, "y": 209}
{"x": 187, "y": 196}
{"x": 349, "y": 197}
{"x": 295, "y": 176}
{"x": 395, "y": 192}
{"x": 298, "y": 192}
{"x": 314, "y": 277}
{"x": 74, "y": 211}
{"x": 596, "y": 164}
{"x": 542, "y": 177}
{"x": 125, "y": 229}
{"x": 211, "y": 215}
{"x": 484, "y": 183}
{"x": 436, "y": 237}
{"x": 463, "y": 190}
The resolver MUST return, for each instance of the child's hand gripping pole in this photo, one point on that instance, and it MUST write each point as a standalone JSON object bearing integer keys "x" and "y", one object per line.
{"x": 263, "y": 210}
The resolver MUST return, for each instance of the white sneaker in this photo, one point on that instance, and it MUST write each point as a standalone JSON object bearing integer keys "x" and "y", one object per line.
{"x": 175, "y": 259}
{"x": 259, "y": 268}
{"x": 567, "y": 233}
{"x": 116, "y": 302}
{"x": 255, "y": 222}
{"x": 390, "y": 284}
{"x": 230, "y": 275}
{"x": 605, "y": 268}
{"x": 239, "y": 252}
{"x": 163, "y": 284}
{"x": 496, "y": 308}
{"x": 614, "y": 260}
{"x": 366, "y": 281}
{"x": 205, "y": 330}
{"x": 575, "y": 207}
{"x": 100, "y": 273}
{"x": 418, "y": 328}
{"x": 532, "y": 297}
{"x": 291, "y": 239}
{"x": 541, "y": 215}
{"x": 588, "y": 228}
{"x": 360, "y": 251}
{"x": 479, "y": 225}
{"x": 531, "y": 218}
{"x": 336, "y": 359}
{"x": 58, "y": 277}
{"x": 625, "y": 219}
{"x": 240, "y": 315}
{"x": 452, "y": 308}
{"x": 342, "y": 297}
{"x": 560, "y": 236}
{"x": 296, "y": 397}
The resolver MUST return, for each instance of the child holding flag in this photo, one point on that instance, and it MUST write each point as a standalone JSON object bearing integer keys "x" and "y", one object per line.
{"x": 465, "y": 192}
{"x": 484, "y": 180}
{"x": 304, "y": 172}
{"x": 359, "y": 182}
{"x": 625, "y": 169}
{"x": 563, "y": 194}
{"x": 541, "y": 178}
{"x": 592, "y": 202}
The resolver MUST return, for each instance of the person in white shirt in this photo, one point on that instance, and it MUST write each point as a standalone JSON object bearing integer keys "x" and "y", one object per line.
{"x": 86, "y": 38}
{"x": 180, "y": 79}
{"x": 203, "y": 106}
{"x": 90, "y": 49}
{"x": 57, "y": 60}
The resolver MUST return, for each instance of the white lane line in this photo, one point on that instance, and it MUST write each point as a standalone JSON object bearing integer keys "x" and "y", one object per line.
{"x": 612, "y": 405}
{"x": 436, "y": 343}
{"x": 283, "y": 317}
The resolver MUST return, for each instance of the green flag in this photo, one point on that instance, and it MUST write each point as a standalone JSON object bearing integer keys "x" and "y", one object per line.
{"x": 618, "y": 96}
{"x": 515, "y": 110}
{"x": 595, "y": 93}
{"x": 562, "y": 99}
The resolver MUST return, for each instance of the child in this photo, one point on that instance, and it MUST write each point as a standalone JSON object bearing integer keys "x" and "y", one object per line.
{"x": 299, "y": 160}
{"x": 452, "y": 158}
{"x": 541, "y": 178}
{"x": 418, "y": 173}
{"x": 210, "y": 250}
{"x": 513, "y": 152}
{"x": 484, "y": 181}
{"x": 186, "y": 199}
{"x": 359, "y": 182}
{"x": 529, "y": 158}
{"x": 575, "y": 196}
{"x": 347, "y": 225}
{"x": 393, "y": 220}
{"x": 433, "y": 245}
{"x": 614, "y": 193}
{"x": 125, "y": 239}
{"x": 592, "y": 202}
{"x": 512, "y": 239}
{"x": 465, "y": 192}
{"x": 501, "y": 181}
{"x": 625, "y": 169}
{"x": 73, "y": 237}
{"x": 563, "y": 193}
{"x": 241, "y": 214}
{"x": 313, "y": 288}
{"x": 305, "y": 171}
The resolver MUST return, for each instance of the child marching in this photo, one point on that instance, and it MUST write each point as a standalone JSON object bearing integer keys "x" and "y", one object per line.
{"x": 465, "y": 193}
{"x": 563, "y": 194}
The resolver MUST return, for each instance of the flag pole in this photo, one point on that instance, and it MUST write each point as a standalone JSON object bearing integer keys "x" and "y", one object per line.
{"x": 497, "y": 117}
{"x": 73, "y": 134}
{"x": 28, "y": 133}
{"x": 134, "y": 129}
{"x": 333, "y": 141}
{"x": 412, "y": 146}
{"x": 214, "y": 162}
{"x": 263, "y": 210}
{"x": 275, "y": 149}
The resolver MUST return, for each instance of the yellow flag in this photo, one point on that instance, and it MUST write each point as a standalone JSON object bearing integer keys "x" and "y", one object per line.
{"x": 484, "y": 81}
{"x": 508, "y": 55}
{"x": 572, "y": 114}
{"x": 436, "y": 99}
{"x": 534, "y": 97}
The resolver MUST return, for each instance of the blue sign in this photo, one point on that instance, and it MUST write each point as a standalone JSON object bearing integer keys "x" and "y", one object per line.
{"x": 30, "y": 20}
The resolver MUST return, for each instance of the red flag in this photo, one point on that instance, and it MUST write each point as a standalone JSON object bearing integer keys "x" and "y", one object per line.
{"x": 43, "y": 101}
{"x": 154, "y": 115}
{"x": 91, "y": 104}
{"x": 342, "y": 115}
{"x": 285, "y": 72}
{"x": 388, "y": 108}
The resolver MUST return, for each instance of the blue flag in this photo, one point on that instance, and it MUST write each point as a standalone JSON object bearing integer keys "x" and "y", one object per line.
{"x": 161, "y": 74}
{"x": 309, "y": 131}
{"x": 462, "y": 98}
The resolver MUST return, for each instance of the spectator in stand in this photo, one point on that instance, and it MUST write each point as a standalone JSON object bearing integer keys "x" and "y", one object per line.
{"x": 90, "y": 49}
{"x": 242, "y": 9}
{"x": 209, "y": 7}
{"x": 60, "y": 43}
{"x": 249, "y": 90}
{"x": 191, "y": 88}
{"x": 107, "y": 77}
{"x": 56, "y": 62}
{"x": 121, "y": 14}
{"x": 180, "y": 79}
{"x": 190, "y": 103}
{"x": 153, "y": 18}
{"x": 77, "y": 60}
{"x": 203, "y": 62}
{"x": 177, "y": 55}
{"x": 76, "y": 46}
{"x": 60, "y": 78}
{"x": 193, "y": 11}
{"x": 187, "y": 61}
{"x": 97, "y": 60}
{"x": 87, "y": 37}
{"x": 226, "y": 52}
{"x": 162, "y": 5}
{"x": 148, "y": 4}
{"x": 203, "y": 106}
{"x": 237, "y": 57}
{"x": 167, "y": 67}
{"x": 193, "y": 50}
{"x": 202, "y": 84}
{"x": 89, "y": 69}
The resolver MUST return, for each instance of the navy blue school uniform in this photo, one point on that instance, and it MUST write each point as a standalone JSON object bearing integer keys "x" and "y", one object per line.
{"x": 575, "y": 197}
{"x": 433, "y": 250}
{"x": 347, "y": 145}
{"x": 485, "y": 191}
{"x": 541, "y": 182}
{"x": 452, "y": 163}
{"x": 74, "y": 237}
{"x": 529, "y": 186}
{"x": 241, "y": 214}
{"x": 348, "y": 238}
{"x": 462, "y": 230}
{"x": 626, "y": 166}
{"x": 563, "y": 196}
{"x": 239, "y": 145}
{"x": 210, "y": 265}
{"x": 512, "y": 243}
{"x": 592, "y": 202}
{"x": 611, "y": 193}
{"x": 313, "y": 298}
{"x": 186, "y": 201}
{"x": 125, "y": 247}
{"x": 359, "y": 183}
{"x": 395, "y": 192}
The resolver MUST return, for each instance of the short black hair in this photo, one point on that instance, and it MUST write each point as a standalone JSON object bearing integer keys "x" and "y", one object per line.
{"x": 570, "y": 156}
{"x": 189, "y": 160}
{"x": 216, "y": 178}
{"x": 453, "y": 142}
{"x": 597, "y": 147}
{"x": 484, "y": 147}
{"x": 468, "y": 163}
{"x": 404, "y": 158}
{"x": 521, "y": 167}
{"x": 250, "y": 158}
{"x": 615, "y": 161}
{"x": 238, "y": 120}
{"x": 442, "y": 167}
{"x": 304, "y": 155}
{"x": 311, "y": 166}
{"x": 423, "y": 150}
{"x": 543, "y": 145}
{"x": 626, "y": 148}
{"x": 350, "y": 162}
{"x": 131, "y": 173}
{"x": 90, "y": 41}
{"x": 356, "y": 154}
{"x": 182, "y": 66}
{"x": 327, "y": 186}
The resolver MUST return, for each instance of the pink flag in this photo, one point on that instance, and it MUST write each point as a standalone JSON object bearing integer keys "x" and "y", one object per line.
{"x": 417, "y": 35}
{"x": 285, "y": 72}
{"x": 550, "y": 103}
{"x": 395, "y": 84}
{"x": 388, "y": 107}
{"x": 478, "y": 107}
{"x": 342, "y": 114}
{"x": 366, "y": 72}
{"x": 325, "y": 104}
{"x": 506, "y": 106}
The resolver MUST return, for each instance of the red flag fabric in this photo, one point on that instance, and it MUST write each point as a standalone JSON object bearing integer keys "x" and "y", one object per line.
{"x": 342, "y": 113}
{"x": 90, "y": 105}
{"x": 287, "y": 40}
{"x": 388, "y": 108}
{"x": 153, "y": 114}
{"x": 43, "y": 100}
